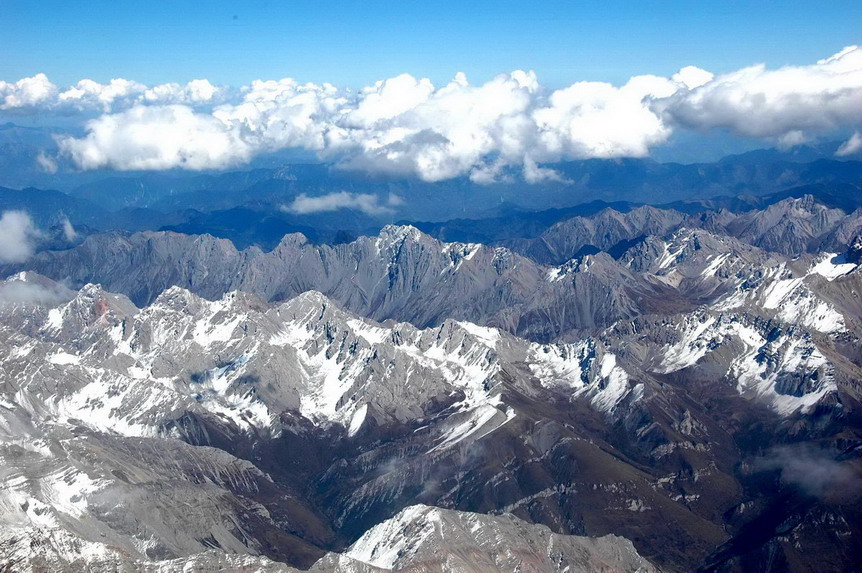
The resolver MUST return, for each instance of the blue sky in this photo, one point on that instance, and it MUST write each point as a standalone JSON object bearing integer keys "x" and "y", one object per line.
{"x": 354, "y": 43}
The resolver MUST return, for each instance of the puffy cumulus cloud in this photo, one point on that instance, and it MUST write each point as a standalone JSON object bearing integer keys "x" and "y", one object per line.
{"x": 408, "y": 126}
{"x": 87, "y": 94}
{"x": 596, "y": 119}
{"x": 443, "y": 133}
{"x": 120, "y": 94}
{"x": 401, "y": 126}
{"x": 27, "y": 94}
{"x": 390, "y": 98}
{"x": 284, "y": 114}
{"x": 161, "y": 137}
{"x": 365, "y": 202}
{"x": 17, "y": 237}
{"x": 195, "y": 92}
{"x": 787, "y": 103}
{"x": 271, "y": 116}
{"x": 39, "y": 95}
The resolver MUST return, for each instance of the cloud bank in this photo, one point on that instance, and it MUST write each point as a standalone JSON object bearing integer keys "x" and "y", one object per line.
{"x": 399, "y": 126}
{"x": 408, "y": 126}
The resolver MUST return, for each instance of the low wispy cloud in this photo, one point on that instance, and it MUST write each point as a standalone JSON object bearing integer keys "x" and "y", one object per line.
{"x": 851, "y": 146}
{"x": 18, "y": 237}
{"x": 814, "y": 471}
{"x": 408, "y": 126}
{"x": 364, "y": 202}
{"x": 69, "y": 232}
{"x": 46, "y": 163}
{"x": 15, "y": 291}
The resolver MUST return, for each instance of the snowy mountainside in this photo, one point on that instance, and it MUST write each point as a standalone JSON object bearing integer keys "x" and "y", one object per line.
{"x": 401, "y": 403}
{"x": 91, "y": 421}
{"x": 103, "y": 401}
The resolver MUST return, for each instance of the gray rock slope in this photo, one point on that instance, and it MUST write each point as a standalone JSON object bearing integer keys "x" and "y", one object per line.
{"x": 401, "y": 274}
{"x": 603, "y": 269}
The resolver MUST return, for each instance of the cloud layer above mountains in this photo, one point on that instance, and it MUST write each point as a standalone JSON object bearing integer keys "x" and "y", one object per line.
{"x": 408, "y": 126}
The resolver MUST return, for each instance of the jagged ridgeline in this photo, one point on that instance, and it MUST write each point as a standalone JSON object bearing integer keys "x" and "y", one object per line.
{"x": 644, "y": 390}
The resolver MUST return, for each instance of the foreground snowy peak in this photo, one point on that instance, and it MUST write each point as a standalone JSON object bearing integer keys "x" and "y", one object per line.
{"x": 430, "y": 539}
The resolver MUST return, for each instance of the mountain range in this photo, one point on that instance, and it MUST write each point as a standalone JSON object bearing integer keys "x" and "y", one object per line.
{"x": 601, "y": 386}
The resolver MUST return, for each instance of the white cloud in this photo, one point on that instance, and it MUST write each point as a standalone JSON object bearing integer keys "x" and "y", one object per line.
{"x": 162, "y": 137}
{"x": 788, "y": 103}
{"x": 851, "y": 146}
{"x": 596, "y": 119}
{"x": 47, "y": 163}
{"x": 404, "y": 126}
{"x": 792, "y": 139}
{"x": 449, "y": 133}
{"x": 27, "y": 93}
{"x": 17, "y": 237}
{"x": 69, "y": 232}
{"x": 407, "y": 126}
{"x": 692, "y": 77}
{"x": 87, "y": 94}
{"x": 533, "y": 173}
{"x": 119, "y": 94}
{"x": 14, "y": 291}
{"x": 195, "y": 92}
{"x": 390, "y": 98}
{"x": 365, "y": 202}
{"x": 284, "y": 114}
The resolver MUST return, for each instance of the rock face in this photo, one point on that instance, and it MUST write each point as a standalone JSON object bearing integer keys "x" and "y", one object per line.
{"x": 401, "y": 274}
{"x": 398, "y": 403}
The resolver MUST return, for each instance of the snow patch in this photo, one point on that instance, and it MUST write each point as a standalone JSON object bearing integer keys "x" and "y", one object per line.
{"x": 357, "y": 420}
{"x": 831, "y": 266}
{"x": 62, "y": 358}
